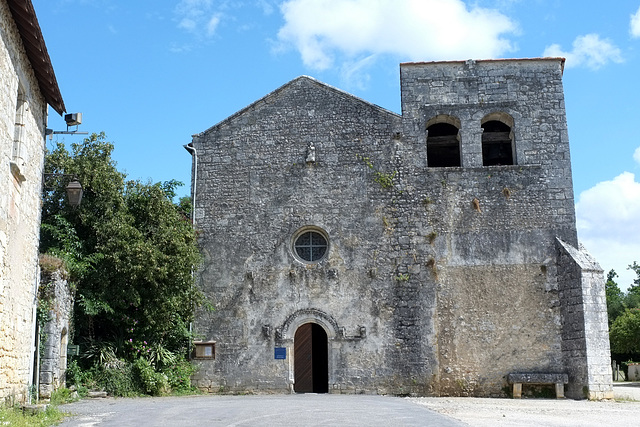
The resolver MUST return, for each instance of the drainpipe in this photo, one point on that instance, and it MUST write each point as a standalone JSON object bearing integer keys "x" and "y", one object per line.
{"x": 194, "y": 154}
{"x": 191, "y": 149}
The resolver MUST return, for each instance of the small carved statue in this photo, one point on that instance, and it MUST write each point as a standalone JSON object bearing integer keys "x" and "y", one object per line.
{"x": 311, "y": 153}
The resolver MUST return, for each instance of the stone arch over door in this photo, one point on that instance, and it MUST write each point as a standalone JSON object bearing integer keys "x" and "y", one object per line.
{"x": 308, "y": 315}
{"x": 286, "y": 334}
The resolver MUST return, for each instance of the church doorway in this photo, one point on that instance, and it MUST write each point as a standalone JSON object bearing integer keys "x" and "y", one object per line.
{"x": 311, "y": 362}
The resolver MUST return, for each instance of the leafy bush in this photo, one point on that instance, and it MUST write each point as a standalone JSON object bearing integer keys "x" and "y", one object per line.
{"x": 150, "y": 381}
{"x": 74, "y": 375}
{"x": 117, "y": 381}
{"x": 179, "y": 376}
{"x": 103, "y": 354}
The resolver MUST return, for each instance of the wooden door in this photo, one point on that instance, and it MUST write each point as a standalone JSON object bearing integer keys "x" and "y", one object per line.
{"x": 311, "y": 368}
{"x": 303, "y": 359}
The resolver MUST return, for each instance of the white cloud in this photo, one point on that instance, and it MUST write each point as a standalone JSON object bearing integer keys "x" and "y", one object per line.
{"x": 588, "y": 50}
{"x": 197, "y": 16}
{"x": 212, "y": 25}
{"x": 636, "y": 156}
{"x": 634, "y": 27}
{"x": 608, "y": 219}
{"x": 413, "y": 29}
{"x": 355, "y": 73}
{"x": 266, "y": 7}
{"x": 187, "y": 24}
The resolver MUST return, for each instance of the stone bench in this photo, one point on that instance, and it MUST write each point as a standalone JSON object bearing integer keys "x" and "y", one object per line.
{"x": 534, "y": 378}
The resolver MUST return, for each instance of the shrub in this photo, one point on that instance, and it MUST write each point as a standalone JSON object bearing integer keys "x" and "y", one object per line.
{"x": 116, "y": 380}
{"x": 150, "y": 381}
{"x": 179, "y": 376}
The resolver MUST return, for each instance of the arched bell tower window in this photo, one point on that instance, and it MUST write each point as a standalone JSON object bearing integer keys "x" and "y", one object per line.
{"x": 443, "y": 142}
{"x": 497, "y": 140}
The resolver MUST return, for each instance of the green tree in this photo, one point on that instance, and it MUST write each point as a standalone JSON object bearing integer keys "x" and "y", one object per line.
{"x": 624, "y": 334}
{"x": 632, "y": 298}
{"x": 130, "y": 249}
{"x": 615, "y": 298}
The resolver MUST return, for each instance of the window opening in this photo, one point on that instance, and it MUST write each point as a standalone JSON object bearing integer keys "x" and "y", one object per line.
{"x": 311, "y": 246}
{"x": 18, "y": 156}
{"x": 497, "y": 144}
{"x": 443, "y": 145}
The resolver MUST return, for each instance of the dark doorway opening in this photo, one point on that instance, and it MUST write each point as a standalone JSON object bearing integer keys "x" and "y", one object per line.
{"x": 311, "y": 361}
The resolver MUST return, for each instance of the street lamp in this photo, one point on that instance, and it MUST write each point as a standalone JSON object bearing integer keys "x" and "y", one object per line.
{"x": 74, "y": 188}
{"x": 74, "y": 192}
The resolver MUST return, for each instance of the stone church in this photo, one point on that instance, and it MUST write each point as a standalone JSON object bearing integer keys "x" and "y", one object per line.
{"x": 350, "y": 249}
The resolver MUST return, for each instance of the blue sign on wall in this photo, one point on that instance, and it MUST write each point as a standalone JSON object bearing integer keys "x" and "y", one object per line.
{"x": 280, "y": 353}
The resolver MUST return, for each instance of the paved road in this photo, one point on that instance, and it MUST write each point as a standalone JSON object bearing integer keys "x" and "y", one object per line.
{"x": 268, "y": 410}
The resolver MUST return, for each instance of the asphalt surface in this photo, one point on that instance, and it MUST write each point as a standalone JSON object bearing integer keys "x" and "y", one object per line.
{"x": 356, "y": 410}
{"x": 264, "y": 410}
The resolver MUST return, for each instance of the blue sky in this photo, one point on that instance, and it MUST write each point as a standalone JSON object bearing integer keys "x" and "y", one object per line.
{"x": 152, "y": 73}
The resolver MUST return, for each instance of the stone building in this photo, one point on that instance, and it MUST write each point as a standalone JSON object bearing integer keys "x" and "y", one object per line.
{"x": 349, "y": 249}
{"x": 28, "y": 85}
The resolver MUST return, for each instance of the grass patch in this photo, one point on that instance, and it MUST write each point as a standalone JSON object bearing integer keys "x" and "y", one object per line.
{"x": 64, "y": 395}
{"x": 18, "y": 418}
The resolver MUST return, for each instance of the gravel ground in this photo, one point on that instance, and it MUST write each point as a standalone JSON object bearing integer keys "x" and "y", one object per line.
{"x": 624, "y": 411}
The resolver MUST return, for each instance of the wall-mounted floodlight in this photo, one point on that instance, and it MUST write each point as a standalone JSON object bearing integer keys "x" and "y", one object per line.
{"x": 73, "y": 119}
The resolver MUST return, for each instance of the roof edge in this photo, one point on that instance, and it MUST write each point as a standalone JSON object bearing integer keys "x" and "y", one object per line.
{"x": 283, "y": 87}
{"x": 24, "y": 15}
{"x": 545, "y": 58}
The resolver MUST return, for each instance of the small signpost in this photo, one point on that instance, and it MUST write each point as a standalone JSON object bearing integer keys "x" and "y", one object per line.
{"x": 73, "y": 350}
{"x": 280, "y": 353}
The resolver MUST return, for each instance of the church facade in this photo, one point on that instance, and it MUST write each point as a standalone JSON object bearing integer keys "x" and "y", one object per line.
{"x": 350, "y": 249}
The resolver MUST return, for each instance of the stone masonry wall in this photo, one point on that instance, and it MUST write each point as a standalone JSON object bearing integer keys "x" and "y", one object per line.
{"x": 255, "y": 190}
{"x": 19, "y": 211}
{"x": 585, "y": 333}
{"x": 439, "y": 281}
{"x": 55, "y": 293}
{"x": 493, "y": 228}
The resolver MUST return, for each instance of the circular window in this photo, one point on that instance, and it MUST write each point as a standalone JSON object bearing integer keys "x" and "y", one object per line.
{"x": 310, "y": 246}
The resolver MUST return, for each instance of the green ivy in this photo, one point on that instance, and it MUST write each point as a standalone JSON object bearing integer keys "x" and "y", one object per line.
{"x": 385, "y": 179}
